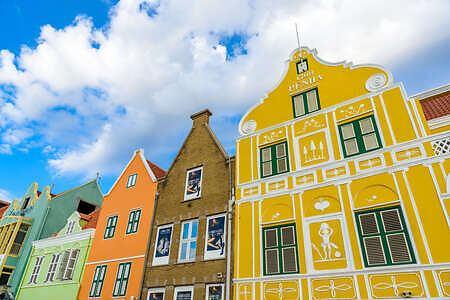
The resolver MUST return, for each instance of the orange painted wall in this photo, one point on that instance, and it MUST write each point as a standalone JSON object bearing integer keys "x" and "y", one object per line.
{"x": 122, "y": 247}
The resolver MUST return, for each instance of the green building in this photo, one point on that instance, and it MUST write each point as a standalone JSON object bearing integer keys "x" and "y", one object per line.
{"x": 38, "y": 215}
{"x": 56, "y": 264}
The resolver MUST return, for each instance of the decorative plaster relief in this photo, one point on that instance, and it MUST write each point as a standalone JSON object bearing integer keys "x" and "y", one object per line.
{"x": 309, "y": 125}
{"x": 254, "y": 190}
{"x": 313, "y": 149}
{"x": 374, "y": 195}
{"x": 321, "y": 205}
{"x": 354, "y": 109}
{"x": 444, "y": 281}
{"x": 308, "y": 178}
{"x": 277, "y": 209}
{"x": 330, "y": 173}
{"x": 286, "y": 290}
{"x": 387, "y": 286}
{"x": 249, "y": 127}
{"x": 376, "y": 82}
{"x": 408, "y": 154}
{"x": 245, "y": 292}
{"x": 370, "y": 163}
{"x": 273, "y": 186}
{"x": 327, "y": 245}
{"x": 333, "y": 288}
{"x": 272, "y": 136}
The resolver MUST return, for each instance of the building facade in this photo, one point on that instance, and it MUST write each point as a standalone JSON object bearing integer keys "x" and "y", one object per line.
{"x": 341, "y": 188}
{"x": 56, "y": 264}
{"x": 38, "y": 215}
{"x": 189, "y": 257}
{"x": 116, "y": 261}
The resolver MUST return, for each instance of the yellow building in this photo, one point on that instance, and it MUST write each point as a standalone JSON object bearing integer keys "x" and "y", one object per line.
{"x": 341, "y": 188}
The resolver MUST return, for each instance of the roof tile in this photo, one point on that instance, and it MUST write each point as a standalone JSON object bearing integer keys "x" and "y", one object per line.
{"x": 159, "y": 173}
{"x": 436, "y": 106}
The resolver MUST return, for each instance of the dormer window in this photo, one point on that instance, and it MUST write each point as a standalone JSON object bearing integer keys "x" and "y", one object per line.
{"x": 131, "y": 180}
{"x": 70, "y": 227}
{"x": 302, "y": 66}
{"x": 305, "y": 103}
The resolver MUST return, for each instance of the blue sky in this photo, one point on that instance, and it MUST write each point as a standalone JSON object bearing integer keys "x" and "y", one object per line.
{"x": 84, "y": 83}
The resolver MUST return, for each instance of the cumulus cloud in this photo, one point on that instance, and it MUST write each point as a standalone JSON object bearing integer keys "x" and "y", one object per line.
{"x": 5, "y": 195}
{"x": 96, "y": 94}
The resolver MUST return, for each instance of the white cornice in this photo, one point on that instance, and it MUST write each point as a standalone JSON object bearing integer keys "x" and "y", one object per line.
{"x": 433, "y": 92}
{"x": 63, "y": 239}
{"x": 439, "y": 122}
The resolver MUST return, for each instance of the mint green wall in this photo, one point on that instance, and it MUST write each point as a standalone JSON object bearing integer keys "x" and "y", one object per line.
{"x": 58, "y": 289}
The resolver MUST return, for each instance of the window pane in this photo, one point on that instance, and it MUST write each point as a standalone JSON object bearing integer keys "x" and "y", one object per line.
{"x": 271, "y": 238}
{"x": 183, "y": 254}
{"x": 215, "y": 292}
{"x": 370, "y": 141}
{"x": 267, "y": 168}
{"x": 194, "y": 229}
{"x": 156, "y": 296}
{"x": 366, "y": 125}
{"x": 287, "y": 236}
{"x": 351, "y": 147}
{"x": 299, "y": 107}
{"x": 192, "y": 251}
{"x": 311, "y": 99}
{"x": 272, "y": 261}
{"x": 282, "y": 164}
{"x": 368, "y": 224}
{"x": 391, "y": 220}
{"x": 281, "y": 150}
{"x": 347, "y": 131}
{"x": 184, "y": 296}
{"x": 289, "y": 260}
{"x": 399, "y": 248}
{"x": 302, "y": 66}
{"x": 266, "y": 154}
{"x": 374, "y": 251}
{"x": 185, "y": 230}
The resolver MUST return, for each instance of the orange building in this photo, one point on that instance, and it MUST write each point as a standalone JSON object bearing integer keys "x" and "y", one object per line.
{"x": 115, "y": 265}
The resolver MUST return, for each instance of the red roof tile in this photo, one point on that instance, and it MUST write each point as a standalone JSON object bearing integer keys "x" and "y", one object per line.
{"x": 92, "y": 219}
{"x": 3, "y": 209}
{"x": 159, "y": 173}
{"x": 436, "y": 106}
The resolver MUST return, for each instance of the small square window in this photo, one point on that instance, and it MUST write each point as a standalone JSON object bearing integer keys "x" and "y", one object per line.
{"x": 359, "y": 136}
{"x": 156, "y": 294}
{"x": 131, "y": 180}
{"x": 302, "y": 66}
{"x": 274, "y": 160}
{"x": 306, "y": 103}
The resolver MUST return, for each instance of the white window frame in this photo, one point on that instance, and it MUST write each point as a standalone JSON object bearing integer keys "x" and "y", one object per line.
{"x": 186, "y": 197}
{"x": 70, "y": 227}
{"x": 183, "y": 289}
{"x": 215, "y": 284}
{"x": 36, "y": 269}
{"x": 188, "y": 241}
{"x": 215, "y": 254}
{"x": 50, "y": 277}
{"x": 156, "y": 290}
{"x": 64, "y": 270}
{"x": 158, "y": 261}
{"x": 132, "y": 180}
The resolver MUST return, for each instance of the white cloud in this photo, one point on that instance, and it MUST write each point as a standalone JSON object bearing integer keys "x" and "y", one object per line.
{"x": 138, "y": 87}
{"x": 5, "y": 195}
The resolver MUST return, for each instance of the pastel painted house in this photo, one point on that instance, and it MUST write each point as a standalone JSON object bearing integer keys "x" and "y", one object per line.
{"x": 38, "y": 215}
{"x": 56, "y": 264}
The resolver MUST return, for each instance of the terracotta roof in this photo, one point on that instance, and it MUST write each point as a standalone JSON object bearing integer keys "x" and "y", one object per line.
{"x": 3, "y": 209}
{"x": 436, "y": 106}
{"x": 92, "y": 219}
{"x": 159, "y": 173}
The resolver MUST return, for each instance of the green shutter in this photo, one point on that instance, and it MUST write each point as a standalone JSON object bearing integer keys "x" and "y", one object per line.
{"x": 278, "y": 160}
{"x": 280, "y": 251}
{"x": 360, "y": 137}
{"x": 97, "y": 281}
{"x": 384, "y": 237}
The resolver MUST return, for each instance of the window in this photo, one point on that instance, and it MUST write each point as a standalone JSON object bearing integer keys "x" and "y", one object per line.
{"x": 188, "y": 241}
{"x": 162, "y": 245}
{"x": 274, "y": 160}
{"x": 359, "y": 136}
{"x": 131, "y": 180}
{"x": 26, "y": 202}
{"x": 215, "y": 237}
{"x": 280, "y": 250}
{"x": 20, "y": 237}
{"x": 302, "y": 66}
{"x": 184, "y": 293}
{"x": 214, "y": 292}
{"x": 6, "y": 274}
{"x": 110, "y": 227}
{"x": 155, "y": 294}
{"x": 52, "y": 268}
{"x": 193, "y": 187}
{"x": 133, "y": 221}
{"x": 36, "y": 269}
{"x": 123, "y": 273}
{"x": 97, "y": 281}
{"x": 68, "y": 264}
{"x": 70, "y": 227}
{"x": 305, "y": 103}
{"x": 384, "y": 237}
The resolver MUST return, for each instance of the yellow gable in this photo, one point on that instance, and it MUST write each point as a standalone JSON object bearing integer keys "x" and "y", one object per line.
{"x": 335, "y": 83}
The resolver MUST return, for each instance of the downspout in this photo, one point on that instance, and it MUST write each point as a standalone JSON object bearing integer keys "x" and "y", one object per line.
{"x": 230, "y": 216}
{"x": 148, "y": 245}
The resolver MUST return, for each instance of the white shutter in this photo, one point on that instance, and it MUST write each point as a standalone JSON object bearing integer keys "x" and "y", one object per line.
{"x": 70, "y": 267}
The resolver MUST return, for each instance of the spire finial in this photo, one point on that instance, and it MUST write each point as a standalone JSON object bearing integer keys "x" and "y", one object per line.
{"x": 298, "y": 41}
